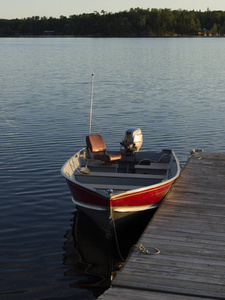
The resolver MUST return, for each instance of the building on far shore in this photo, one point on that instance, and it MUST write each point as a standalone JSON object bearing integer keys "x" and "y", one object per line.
{"x": 204, "y": 32}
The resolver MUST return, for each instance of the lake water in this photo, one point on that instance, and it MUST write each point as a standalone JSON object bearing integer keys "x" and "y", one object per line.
{"x": 173, "y": 89}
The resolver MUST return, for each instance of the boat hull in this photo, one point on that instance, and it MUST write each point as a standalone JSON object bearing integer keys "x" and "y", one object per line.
{"x": 92, "y": 204}
{"x": 99, "y": 214}
{"x": 109, "y": 196}
{"x": 117, "y": 209}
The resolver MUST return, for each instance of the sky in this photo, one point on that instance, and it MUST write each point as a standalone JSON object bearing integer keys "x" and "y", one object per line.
{"x": 10, "y": 9}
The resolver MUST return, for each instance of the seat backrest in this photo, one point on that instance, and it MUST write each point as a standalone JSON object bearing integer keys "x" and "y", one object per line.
{"x": 95, "y": 143}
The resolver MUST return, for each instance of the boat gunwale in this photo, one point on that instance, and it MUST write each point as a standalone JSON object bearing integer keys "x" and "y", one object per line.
{"x": 124, "y": 193}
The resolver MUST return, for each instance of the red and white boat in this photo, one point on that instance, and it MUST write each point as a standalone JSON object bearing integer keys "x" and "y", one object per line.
{"x": 110, "y": 187}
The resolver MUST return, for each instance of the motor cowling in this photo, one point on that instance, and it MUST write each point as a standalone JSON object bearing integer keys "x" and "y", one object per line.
{"x": 133, "y": 140}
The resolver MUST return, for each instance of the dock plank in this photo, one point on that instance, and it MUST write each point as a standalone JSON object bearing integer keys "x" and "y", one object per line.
{"x": 189, "y": 231}
{"x": 121, "y": 294}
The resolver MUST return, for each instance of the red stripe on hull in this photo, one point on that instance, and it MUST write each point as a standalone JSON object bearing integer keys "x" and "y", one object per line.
{"x": 84, "y": 195}
{"x": 146, "y": 197}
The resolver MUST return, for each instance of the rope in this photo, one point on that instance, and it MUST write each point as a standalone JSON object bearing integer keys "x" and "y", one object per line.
{"x": 155, "y": 161}
{"x": 141, "y": 249}
{"x": 195, "y": 154}
{"x": 116, "y": 239}
{"x": 75, "y": 167}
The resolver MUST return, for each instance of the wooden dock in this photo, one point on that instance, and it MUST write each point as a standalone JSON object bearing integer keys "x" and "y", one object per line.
{"x": 189, "y": 231}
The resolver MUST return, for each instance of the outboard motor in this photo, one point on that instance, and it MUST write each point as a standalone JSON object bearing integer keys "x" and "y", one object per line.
{"x": 132, "y": 141}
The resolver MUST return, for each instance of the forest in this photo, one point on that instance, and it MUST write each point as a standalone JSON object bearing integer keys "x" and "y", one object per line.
{"x": 136, "y": 22}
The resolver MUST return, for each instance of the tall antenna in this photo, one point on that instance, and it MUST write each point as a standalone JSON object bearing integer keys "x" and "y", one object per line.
{"x": 92, "y": 87}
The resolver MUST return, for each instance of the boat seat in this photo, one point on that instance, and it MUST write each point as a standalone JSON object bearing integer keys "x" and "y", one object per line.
{"x": 97, "y": 147}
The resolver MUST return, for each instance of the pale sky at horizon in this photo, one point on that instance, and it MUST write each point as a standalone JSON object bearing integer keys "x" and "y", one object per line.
{"x": 10, "y": 9}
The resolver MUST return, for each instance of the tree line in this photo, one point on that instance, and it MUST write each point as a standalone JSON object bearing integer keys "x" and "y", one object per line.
{"x": 136, "y": 22}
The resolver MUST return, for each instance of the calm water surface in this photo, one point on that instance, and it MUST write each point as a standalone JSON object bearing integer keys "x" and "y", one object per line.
{"x": 173, "y": 89}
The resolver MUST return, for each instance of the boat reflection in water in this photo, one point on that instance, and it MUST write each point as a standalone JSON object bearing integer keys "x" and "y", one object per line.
{"x": 93, "y": 257}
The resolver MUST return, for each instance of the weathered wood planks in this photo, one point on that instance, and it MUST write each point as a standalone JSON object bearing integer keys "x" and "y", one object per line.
{"x": 121, "y": 294}
{"x": 189, "y": 231}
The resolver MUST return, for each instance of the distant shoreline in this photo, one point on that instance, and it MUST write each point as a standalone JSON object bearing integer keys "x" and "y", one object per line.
{"x": 136, "y": 22}
{"x": 94, "y": 36}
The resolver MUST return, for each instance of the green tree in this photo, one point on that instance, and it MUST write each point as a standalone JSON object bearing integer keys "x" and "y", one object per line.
{"x": 214, "y": 29}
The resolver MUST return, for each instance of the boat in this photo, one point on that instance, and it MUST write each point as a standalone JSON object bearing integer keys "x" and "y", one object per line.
{"x": 111, "y": 187}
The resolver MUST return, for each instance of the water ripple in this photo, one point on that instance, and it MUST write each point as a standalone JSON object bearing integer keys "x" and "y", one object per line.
{"x": 171, "y": 88}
